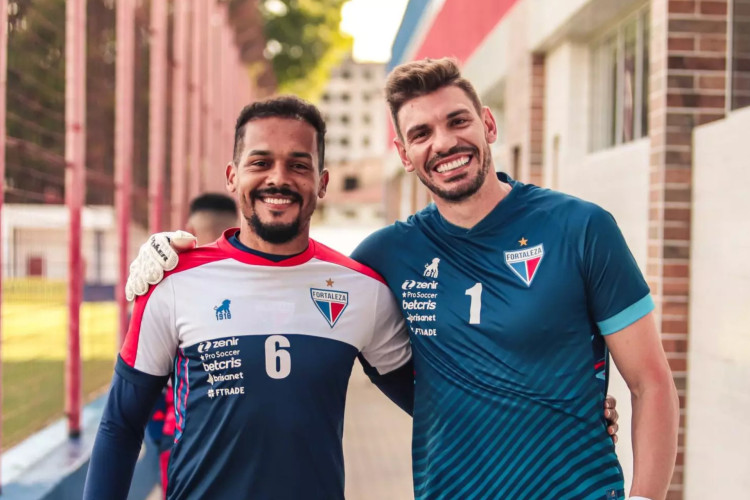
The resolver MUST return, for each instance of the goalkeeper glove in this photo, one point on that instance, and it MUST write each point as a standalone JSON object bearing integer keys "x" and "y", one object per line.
{"x": 157, "y": 255}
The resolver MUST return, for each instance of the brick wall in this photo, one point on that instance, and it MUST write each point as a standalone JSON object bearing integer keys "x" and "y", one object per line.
{"x": 536, "y": 120}
{"x": 687, "y": 88}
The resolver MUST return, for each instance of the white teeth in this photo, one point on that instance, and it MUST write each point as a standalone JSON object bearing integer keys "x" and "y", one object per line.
{"x": 447, "y": 167}
{"x": 276, "y": 201}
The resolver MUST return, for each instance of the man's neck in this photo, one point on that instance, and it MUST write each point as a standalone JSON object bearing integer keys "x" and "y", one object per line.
{"x": 471, "y": 211}
{"x": 293, "y": 247}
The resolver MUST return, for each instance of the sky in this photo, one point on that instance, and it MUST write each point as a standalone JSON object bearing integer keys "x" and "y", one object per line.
{"x": 373, "y": 24}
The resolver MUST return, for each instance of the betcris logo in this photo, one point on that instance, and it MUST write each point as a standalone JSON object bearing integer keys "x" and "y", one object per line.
{"x": 419, "y": 285}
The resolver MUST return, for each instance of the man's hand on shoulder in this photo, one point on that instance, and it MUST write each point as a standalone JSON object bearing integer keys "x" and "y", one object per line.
{"x": 158, "y": 254}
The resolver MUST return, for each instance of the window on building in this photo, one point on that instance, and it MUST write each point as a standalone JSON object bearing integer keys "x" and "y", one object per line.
{"x": 740, "y": 61}
{"x": 366, "y": 119}
{"x": 325, "y": 97}
{"x": 366, "y": 141}
{"x": 345, "y": 119}
{"x": 344, "y": 141}
{"x": 351, "y": 182}
{"x": 35, "y": 265}
{"x": 366, "y": 96}
{"x": 346, "y": 74}
{"x": 367, "y": 74}
{"x": 620, "y": 74}
{"x": 346, "y": 97}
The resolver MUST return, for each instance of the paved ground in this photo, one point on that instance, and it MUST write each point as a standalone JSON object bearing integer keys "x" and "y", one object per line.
{"x": 377, "y": 444}
{"x": 377, "y": 437}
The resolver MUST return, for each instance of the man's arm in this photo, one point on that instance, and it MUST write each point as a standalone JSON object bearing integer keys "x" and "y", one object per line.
{"x": 118, "y": 440}
{"x": 640, "y": 358}
{"x": 397, "y": 385}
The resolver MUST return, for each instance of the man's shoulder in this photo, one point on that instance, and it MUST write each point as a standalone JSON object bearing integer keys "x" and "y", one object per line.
{"x": 197, "y": 257}
{"x": 327, "y": 254}
{"x": 559, "y": 205}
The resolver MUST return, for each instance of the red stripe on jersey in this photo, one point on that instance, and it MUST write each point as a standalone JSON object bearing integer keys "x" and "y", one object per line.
{"x": 322, "y": 252}
{"x": 249, "y": 258}
{"x": 188, "y": 260}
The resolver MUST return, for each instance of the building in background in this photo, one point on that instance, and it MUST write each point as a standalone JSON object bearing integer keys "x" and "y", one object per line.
{"x": 641, "y": 107}
{"x": 352, "y": 105}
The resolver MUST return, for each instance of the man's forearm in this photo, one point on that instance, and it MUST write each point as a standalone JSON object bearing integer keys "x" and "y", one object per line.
{"x": 655, "y": 423}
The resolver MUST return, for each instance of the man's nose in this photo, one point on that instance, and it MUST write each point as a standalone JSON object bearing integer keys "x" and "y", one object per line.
{"x": 278, "y": 175}
{"x": 444, "y": 141}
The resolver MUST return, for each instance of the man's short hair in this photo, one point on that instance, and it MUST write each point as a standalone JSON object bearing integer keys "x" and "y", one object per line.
{"x": 280, "y": 107}
{"x": 417, "y": 78}
{"x": 213, "y": 202}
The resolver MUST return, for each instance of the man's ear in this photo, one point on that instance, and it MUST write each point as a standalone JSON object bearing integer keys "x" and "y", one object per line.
{"x": 490, "y": 126}
{"x": 231, "y": 174}
{"x": 323, "y": 183}
{"x": 405, "y": 161}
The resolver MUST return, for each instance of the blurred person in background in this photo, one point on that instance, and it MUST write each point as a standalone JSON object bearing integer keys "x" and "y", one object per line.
{"x": 259, "y": 331}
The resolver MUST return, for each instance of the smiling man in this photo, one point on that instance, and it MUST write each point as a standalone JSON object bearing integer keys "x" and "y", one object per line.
{"x": 531, "y": 289}
{"x": 259, "y": 332}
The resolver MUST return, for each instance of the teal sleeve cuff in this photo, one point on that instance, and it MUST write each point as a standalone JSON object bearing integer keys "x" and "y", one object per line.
{"x": 627, "y": 316}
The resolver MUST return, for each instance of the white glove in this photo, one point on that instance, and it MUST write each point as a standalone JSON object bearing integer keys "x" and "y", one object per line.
{"x": 639, "y": 498}
{"x": 157, "y": 255}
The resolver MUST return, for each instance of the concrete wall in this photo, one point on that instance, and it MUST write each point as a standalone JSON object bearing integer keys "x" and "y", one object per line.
{"x": 717, "y": 460}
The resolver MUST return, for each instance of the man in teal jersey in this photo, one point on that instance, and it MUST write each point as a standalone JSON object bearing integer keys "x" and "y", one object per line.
{"x": 513, "y": 294}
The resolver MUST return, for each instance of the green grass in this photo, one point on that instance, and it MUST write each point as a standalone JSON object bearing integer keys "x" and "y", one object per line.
{"x": 34, "y": 340}
{"x": 34, "y": 393}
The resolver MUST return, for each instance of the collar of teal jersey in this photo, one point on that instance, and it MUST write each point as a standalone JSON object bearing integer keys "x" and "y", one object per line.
{"x": 497, "y": 215}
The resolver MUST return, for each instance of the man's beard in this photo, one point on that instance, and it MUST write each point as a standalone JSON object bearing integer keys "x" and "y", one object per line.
{"x": 274, "y": 233}
{"x": 457, "y": 195}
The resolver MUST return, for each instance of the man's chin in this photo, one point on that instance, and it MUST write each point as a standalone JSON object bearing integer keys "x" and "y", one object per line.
{"x": 275, "y": 233}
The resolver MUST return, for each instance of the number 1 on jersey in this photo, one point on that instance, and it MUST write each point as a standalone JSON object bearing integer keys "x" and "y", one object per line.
{"x": 475, "y": 309}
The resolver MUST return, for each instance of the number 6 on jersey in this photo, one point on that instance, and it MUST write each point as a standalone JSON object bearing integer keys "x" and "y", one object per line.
{"x": 278, "y": 360}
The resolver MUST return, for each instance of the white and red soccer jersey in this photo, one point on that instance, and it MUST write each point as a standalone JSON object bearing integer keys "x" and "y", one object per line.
{"x": 261, "y": 354}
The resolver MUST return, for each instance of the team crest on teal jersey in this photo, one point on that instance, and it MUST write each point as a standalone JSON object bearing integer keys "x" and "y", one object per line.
{"x": 330, "y": 303}
{"x": 525, "y": 263}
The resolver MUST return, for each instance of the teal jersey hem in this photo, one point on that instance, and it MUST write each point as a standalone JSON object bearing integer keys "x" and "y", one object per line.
{"x": 627, "y": 316}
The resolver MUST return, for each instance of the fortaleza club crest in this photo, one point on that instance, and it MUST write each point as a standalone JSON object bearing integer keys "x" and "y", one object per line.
{"x": 525, "y": 263}
{"x": 330, "y": 303}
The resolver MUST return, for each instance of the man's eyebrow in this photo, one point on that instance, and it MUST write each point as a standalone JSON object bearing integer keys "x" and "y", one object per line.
{"x": 456, "y": 113}
{"x": 301, "y": 154}
{"x": 259, "y": 152}
{"x": 416, "y": 128}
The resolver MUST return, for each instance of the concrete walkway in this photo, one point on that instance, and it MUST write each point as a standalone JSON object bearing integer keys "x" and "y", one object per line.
{"x": 377, "y": 444}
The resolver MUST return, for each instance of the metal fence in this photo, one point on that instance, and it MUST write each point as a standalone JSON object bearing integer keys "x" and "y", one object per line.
{"x": 112, "y": 115}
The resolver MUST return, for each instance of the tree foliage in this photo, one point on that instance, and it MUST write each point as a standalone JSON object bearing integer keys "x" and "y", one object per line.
{"x": 303, "y": 43}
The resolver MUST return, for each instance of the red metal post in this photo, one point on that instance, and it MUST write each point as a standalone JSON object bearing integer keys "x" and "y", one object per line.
{"x": 157, "y": 114}
{"x": 179, "y": 114}
{"x": 196, "y": 94}
{"x": 75, "y": 157}
{"x": 211, "y": 84}
{"x": 124, "y": 92}
{"x": 3, "y": 86}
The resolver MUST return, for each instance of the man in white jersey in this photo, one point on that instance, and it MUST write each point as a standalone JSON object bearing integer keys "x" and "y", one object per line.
{"x": 259, "y": 332}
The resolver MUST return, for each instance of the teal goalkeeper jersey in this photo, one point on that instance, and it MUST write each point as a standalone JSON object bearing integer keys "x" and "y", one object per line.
{"x": 507, "y": 322}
